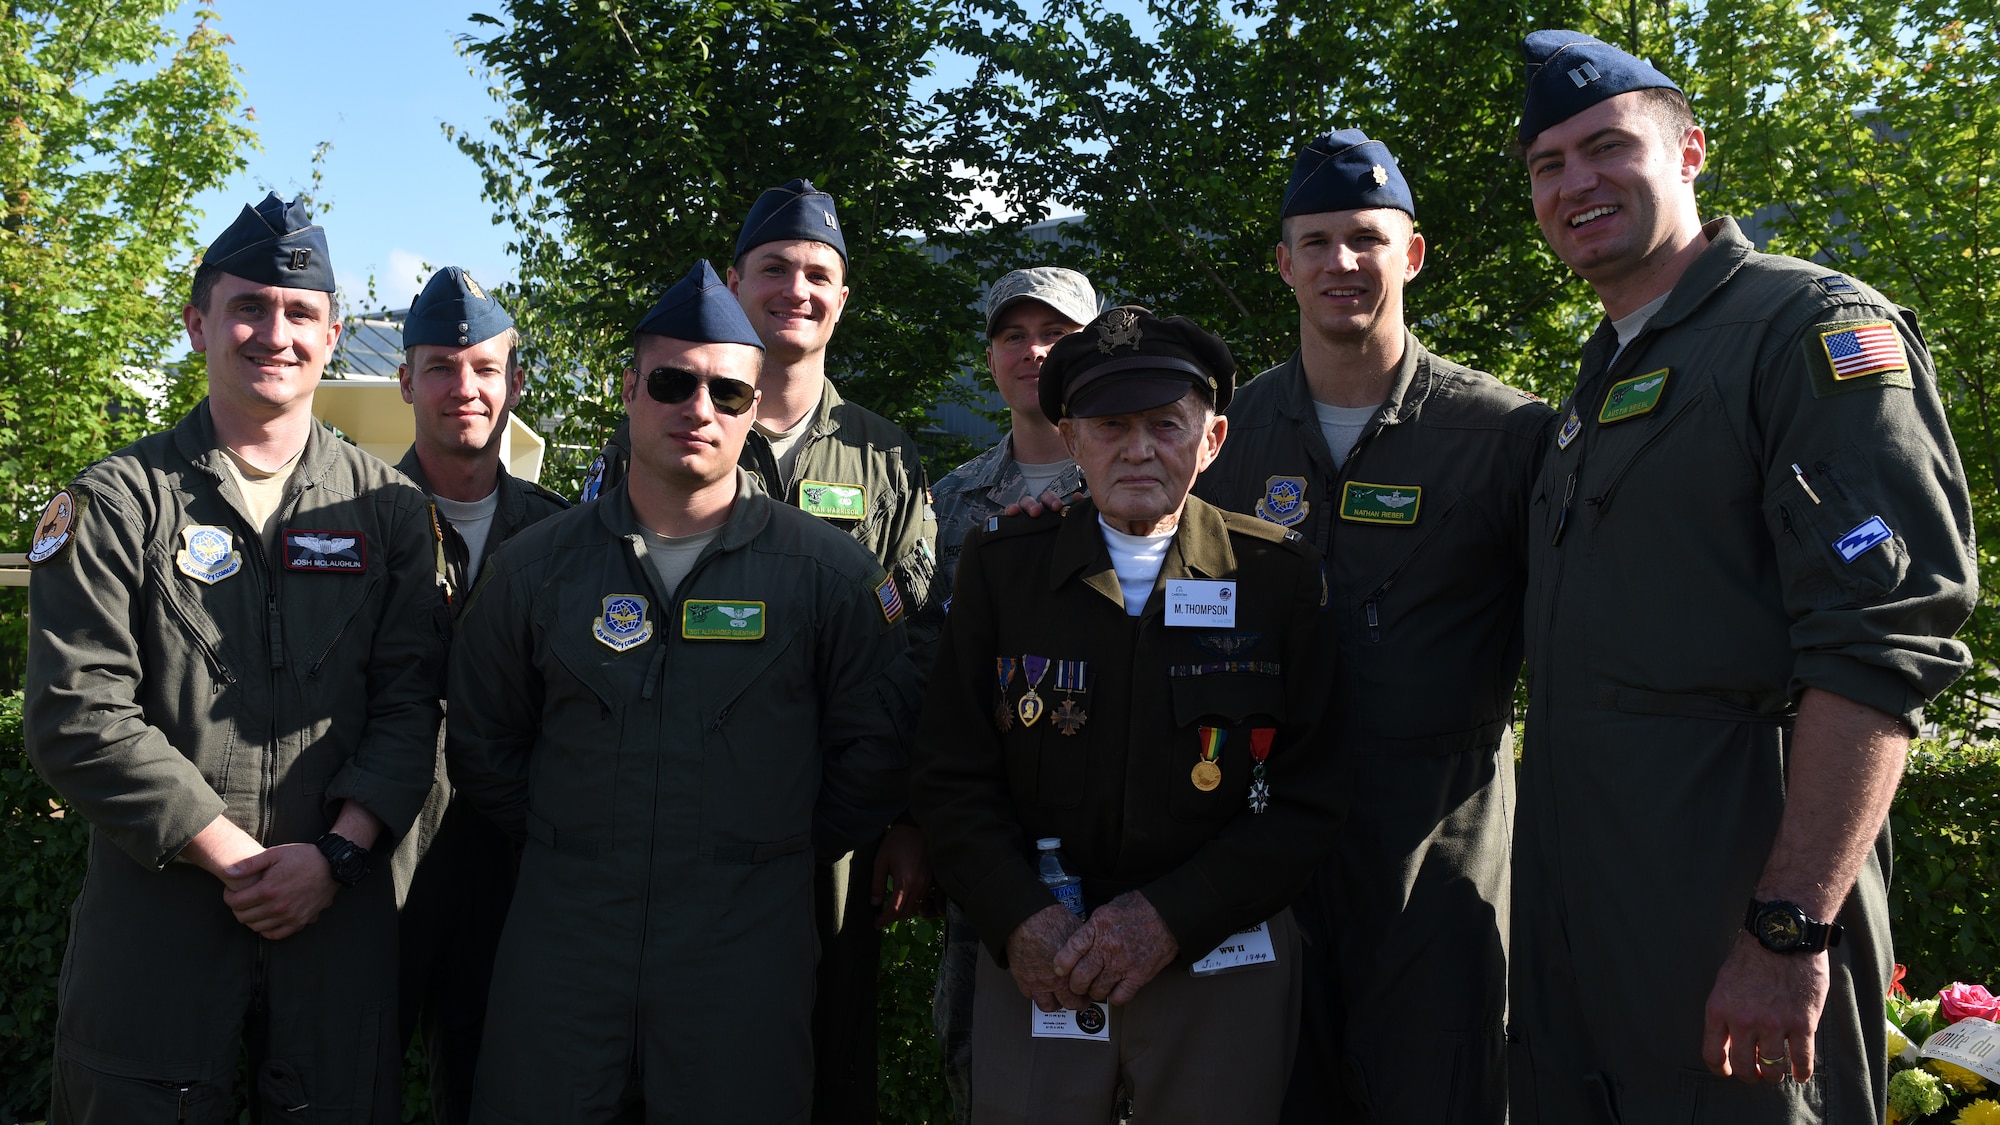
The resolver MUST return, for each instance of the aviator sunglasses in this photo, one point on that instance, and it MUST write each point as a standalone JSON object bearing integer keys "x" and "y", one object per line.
{"x": 675, "y": 385}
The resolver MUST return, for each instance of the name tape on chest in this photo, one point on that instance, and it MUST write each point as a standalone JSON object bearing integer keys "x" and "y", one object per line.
{"x": 1853, "y": 355}
{"x": 208, "y": 553}
{"x": 624, "y": 623}
{"x": 833, "y": 501}
{"x": 1361, "y": 502}
{"x": 53, "y": 530}
{"x": 325, "y": 552}
{"x": 1630, "y": 398}
{"x": 1092, "y": 1023}
{"x": 1201, "y": 603}
{"x": 1284, "y": 501}
{"x": 722, "y": 621}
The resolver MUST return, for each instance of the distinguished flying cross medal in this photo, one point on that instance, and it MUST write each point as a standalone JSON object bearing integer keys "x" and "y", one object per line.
{"x": 1260, "y": 749}
{"x": 1070, "y": 680}
{"x": 1031, "y": 707}
{"x": 1004, "y": 669}
{"x": 1207, "y": 773}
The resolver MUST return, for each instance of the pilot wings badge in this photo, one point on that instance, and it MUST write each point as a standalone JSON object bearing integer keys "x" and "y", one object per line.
{"x": 623, "y": 624}
{"x": 325, "y": 551}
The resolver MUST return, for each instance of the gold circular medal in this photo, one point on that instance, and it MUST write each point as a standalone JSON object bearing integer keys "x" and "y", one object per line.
{"x": 1207, "y": 775}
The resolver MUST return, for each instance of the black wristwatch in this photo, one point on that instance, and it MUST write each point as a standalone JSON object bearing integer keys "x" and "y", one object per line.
{"x": 1782, "y": 927}
{"x": 347, "y": 859}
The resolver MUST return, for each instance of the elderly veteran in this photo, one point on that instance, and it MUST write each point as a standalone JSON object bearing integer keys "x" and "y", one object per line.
{"x": 1027, "y": 311}
{"x": 233, "y": 674}
{"x": 1749, "y": 548}
{"x": 461, "y": 374}
{"x": 1411, "y": 473}
{"x": 1140, "y": 676}
{"x": 676, "y": 696}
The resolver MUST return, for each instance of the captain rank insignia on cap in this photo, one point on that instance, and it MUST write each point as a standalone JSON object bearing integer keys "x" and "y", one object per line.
{"x": 1629, "y": 398}
{"x": 207, "y": 554}
{"x": 52, "y": 531}
{"x": 624, "y": 623}
{"x": 1380, "y": 503}
{"x": 1284, "y": 501}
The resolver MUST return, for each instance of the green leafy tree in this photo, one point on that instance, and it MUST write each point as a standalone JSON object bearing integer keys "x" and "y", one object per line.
{"x": 632, "y": 140}
{"x": 109, "y": 127}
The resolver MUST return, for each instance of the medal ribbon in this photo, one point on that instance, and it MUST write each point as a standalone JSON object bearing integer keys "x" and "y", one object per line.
{"x": 1211, "y": 742}
{"x": 1004, "y": 669}
{"x": 1070, "y": 675}
{"x": 1260, "y": 743}
{"x": 1036, "y": 667}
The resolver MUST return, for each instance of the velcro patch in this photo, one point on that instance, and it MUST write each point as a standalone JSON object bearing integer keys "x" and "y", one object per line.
{"x": 1629, "y": 398}
{"x": 1380, "y": 503}
{"x": 722, "y": 621}
{"x": 833, "y": 501}
{"x": 891, "y": 601}
{"x": 338, "y": 552}
{"x": 1871, "y": 533}
{"x": 1851, "y": 355}
{"x": 53, "y": 530}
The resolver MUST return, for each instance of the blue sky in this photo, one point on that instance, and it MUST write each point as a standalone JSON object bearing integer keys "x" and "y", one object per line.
{"x": 378, "y": 81}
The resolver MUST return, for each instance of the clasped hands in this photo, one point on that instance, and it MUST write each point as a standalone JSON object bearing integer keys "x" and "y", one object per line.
{"x": 1061, "y": 961}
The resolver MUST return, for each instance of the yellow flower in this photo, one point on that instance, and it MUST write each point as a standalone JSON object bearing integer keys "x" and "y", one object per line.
{"x": 1985, "y": 1111}
{"x": 1898, "y": 1043}
{"x": 1961, "y": 1079}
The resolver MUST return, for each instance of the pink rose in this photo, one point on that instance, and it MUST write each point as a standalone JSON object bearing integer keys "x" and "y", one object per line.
{"x": 1962, "y": 1001}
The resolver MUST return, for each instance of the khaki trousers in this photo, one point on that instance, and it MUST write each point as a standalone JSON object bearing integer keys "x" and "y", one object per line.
{"x": 1188, "y": 1049}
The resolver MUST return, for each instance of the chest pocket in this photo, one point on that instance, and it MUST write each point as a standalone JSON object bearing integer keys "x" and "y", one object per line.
{"x": 1619, "y": 446}
{"x": 1235, "y": 703}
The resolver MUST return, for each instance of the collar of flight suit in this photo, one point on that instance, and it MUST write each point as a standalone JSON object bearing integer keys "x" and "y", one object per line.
{"x": 747, "y": 516}
{"x": 513, "y": 504}
{"x": 1414, "y": 380}
{"x": 194, "y": 439}
{"x": 1725, "y": 254}
{"x": 1200, "y": 549}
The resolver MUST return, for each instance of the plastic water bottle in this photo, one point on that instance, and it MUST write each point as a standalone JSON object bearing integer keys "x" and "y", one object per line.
{"x": 1068, "y": 888}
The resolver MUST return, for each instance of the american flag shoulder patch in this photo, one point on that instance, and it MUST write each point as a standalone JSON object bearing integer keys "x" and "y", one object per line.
{"x": 1850, "y": 355}
{"x": 890, "y": 600}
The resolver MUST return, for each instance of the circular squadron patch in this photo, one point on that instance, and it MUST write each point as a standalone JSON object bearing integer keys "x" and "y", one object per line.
{"x": 52, "y": 531}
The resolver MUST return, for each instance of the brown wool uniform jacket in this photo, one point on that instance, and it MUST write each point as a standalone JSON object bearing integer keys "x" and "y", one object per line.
{"x": 1118, "y": 791}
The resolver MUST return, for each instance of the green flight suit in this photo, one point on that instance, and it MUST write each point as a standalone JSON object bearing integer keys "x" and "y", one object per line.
{"x": 1704, "y": 547}
{"x": 164, "y": 690}
{"x": 847, "y": 445}
{"x": 673, "y": 775}
{"x": 456, "y": 869}
{"x": 1406, "y": 922}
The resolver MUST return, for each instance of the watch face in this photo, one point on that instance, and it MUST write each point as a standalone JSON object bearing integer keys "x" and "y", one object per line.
{"x": 1778, "y": 929}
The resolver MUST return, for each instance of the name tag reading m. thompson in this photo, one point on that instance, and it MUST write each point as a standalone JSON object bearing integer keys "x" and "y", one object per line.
{"x": 1208, "y": 604}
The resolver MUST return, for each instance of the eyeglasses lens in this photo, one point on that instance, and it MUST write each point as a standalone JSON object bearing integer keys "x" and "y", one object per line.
{"x": 674, "y": 385}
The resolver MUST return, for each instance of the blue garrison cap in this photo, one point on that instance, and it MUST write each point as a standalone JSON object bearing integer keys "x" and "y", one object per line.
{"x": 453, "y": 311}
{"x": 796, "y": 210}
{"x": 701, "y": 310}
{"x": 1345, "y": 171}
{"x": 1568, "y": 72}
{"x": 274, "y": 243}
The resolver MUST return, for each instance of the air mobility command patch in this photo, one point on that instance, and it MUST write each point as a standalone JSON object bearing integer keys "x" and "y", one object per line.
{"x": 1851, "y": 355}
{"x": 624, "y": 623}
{"x": 1380, "y": 503}
{"x": 1629, "y": 398}
{"x": 1572, "y": 426}
{"x": 722, "y": 621}
{"x": 833, "y": 501}
{"x": 1284, "y": 501}
{"x": 53, "y": 530}
{"x": 890, "y": 601}
{"x": 208, "y": 554}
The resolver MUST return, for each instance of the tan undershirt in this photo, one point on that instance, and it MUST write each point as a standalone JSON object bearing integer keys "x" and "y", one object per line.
{"x": 785, "y": 443}
{"x": 263, "y": 493}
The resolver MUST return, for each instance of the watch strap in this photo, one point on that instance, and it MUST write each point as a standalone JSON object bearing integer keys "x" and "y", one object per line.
{"x": 1814, "y": 937}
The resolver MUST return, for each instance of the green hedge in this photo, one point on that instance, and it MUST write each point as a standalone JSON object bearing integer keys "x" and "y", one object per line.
{"x": 1945, "y": 903}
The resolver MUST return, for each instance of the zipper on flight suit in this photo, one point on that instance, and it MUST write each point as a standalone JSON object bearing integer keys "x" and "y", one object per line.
{"x": 182, "y": 1090}
{"x": 215, "y": 664}
{"x": 313, "y": 672}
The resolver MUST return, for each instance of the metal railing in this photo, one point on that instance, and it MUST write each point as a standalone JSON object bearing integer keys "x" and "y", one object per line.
{"x": 14, "y": 570}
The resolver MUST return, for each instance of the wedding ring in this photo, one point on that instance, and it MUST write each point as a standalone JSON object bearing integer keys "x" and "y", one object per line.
{"x": 1762, "y": 1061}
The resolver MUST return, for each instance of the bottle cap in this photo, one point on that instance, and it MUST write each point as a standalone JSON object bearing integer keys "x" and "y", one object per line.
{"x": 1048, "y": 843}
